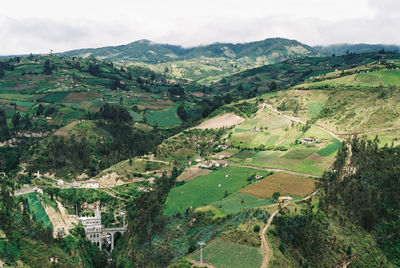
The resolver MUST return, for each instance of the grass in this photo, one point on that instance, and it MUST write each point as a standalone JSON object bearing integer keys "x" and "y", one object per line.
{"x": 135, "y": 116}
{"x": 36, "y": 208}
{"x": 218, "y": 213}
{"x": 266, "y": 156}
{"x": 204, "y": 190}
{"x": 163, "y": 118}
{"x": 284, "y": 183}
{"x": 299, "y": 153}
{"x": 127, "y": 169}
{"x": 314, "y": 108}
{"x": 236, "y": 202}
{"x": 275, "y": 159}
{"x": 227, "y": 254}
{"x": 244, "y": 154}
{"x": 330, "y": 148}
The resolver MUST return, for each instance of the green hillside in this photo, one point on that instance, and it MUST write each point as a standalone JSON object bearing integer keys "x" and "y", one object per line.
{"x": 202, "y": 63}
{"x": 188, "y": 163}
{"x": 294, "y": 71}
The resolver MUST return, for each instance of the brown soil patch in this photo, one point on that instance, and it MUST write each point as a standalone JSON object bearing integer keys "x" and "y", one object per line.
{"x": 153, "y": 106}
{"x": 300, "y": 92}
{"x": 322, "y": 144}
{"x": 280, "y": 182}
{"x": 315, "y": 157}
{"x": 86, "y": 106}
{"x": 192, "y": 173}
{"x": 60, "y": 218}
{"x": 5, "y": 101}
{"x": 95, "y": 109}
{"x": 198, "y": 94}
{"x": 226, "y": 120}
{"x": 65, "y": 131}
{"x": 225, "y": 154}
{"x": 82, "y": 96}
{"x": 22, "y": 109}
{"x": 165, "y": 101}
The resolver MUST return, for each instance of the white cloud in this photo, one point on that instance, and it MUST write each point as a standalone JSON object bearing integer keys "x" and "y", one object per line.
{"x": 38, "y": 26}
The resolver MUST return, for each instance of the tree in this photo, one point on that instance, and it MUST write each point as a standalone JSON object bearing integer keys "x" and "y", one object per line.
{"x": 228, "y": 98}
{"x": 40, "y": 110}
{"x": 273, "y": 86}
{"x": 16, "y": 120}
{"x": 276, "y": 195}
{"x": 182, "y": 113}
{"x": 47, "y": 67}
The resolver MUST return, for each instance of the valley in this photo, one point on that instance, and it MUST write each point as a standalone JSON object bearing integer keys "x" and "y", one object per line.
{"x": 264, "y": 151}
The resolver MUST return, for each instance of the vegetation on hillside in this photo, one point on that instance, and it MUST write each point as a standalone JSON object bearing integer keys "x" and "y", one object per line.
{"x": 358, "y": 202}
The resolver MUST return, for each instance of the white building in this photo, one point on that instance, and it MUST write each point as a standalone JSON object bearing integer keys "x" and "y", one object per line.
{"x": 93, "y": 227}
{"x": 60, "y": 183}
{"x": 92, "y": 185}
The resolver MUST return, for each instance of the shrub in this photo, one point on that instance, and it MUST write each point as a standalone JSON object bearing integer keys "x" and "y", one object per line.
{"x": 256, "y": 228}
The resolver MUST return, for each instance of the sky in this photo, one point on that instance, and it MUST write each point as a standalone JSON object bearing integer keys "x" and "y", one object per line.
{"x": 38, "y": 26}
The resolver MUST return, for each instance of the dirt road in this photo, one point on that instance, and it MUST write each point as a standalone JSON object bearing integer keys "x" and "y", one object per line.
{"x": 197, "y": 264}
{"x": 265, "y": 247}
{"x": 299, "y": 120}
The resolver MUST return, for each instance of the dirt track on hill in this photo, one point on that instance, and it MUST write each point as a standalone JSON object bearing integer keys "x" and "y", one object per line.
{"x": 298, "y": 120}
{"x": 265, "y": 247}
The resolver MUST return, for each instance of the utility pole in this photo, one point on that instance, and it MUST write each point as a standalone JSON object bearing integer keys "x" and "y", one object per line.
{"x": 201, "y": 244}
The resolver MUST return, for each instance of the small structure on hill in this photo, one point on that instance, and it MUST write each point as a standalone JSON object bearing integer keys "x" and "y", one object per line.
{"x": 222, "y": 146}
{"x": 310, "y": 140}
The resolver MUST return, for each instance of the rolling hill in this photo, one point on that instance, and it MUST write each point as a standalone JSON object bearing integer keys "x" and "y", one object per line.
{"x": 291, "y": 72}
{"x": 203, "y": 62}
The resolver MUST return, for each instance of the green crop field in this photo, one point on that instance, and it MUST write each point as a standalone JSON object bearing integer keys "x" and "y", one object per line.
{"x": 330, "y": 148}
{"x": 236, "y": 202}
{"x": 36, "y": 208}
{"x": 223, "y": 254}
{"x": 209, "y": 188}
{"x": 300, "y": 153}
{"x": 136, "y": 117}
{"x": 275, "y": 159}
{"x": 54, "y": 97}
{"x": 163, "y": 118}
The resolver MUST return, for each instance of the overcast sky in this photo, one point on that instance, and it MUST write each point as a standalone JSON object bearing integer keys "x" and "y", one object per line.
{"x": 40, "y": 25}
